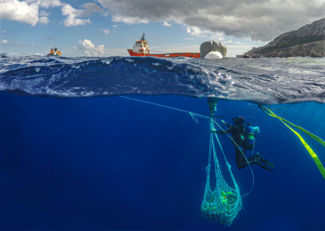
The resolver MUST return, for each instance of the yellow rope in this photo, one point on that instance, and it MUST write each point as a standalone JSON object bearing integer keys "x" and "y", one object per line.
{"x": 311, "y": 152}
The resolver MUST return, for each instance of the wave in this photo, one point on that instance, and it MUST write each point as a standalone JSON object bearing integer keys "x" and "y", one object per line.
{"x": 263, "y": 81}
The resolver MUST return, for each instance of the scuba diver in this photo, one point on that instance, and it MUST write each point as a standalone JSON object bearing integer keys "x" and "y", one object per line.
{"x": 243, "y": 135}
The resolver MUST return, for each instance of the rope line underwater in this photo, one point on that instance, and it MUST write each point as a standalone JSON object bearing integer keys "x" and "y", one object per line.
{"x": 308, "y": 148}
{"x": 156, "y": 104}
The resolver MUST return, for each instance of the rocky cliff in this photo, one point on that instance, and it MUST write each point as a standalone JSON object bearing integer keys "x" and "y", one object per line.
{"x": 309, "y": 40}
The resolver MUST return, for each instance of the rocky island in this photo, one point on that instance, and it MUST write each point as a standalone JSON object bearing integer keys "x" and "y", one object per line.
{"x": 309, "y": 40}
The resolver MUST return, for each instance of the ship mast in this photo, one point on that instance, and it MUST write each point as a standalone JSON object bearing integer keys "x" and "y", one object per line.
{"x": 142, "y": 38}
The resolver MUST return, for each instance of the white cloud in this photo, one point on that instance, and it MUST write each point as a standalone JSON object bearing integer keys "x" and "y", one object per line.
{"x": 217, "y": 36}
{"x": 232, "y": 42}
{"x": 74, "y": 14}
{"x": 15, "y": 10}
{"x": 166, "y": 24}
{"x": 196, "y": 31}
{"x": 114, "y": 25}
{"x": 229, "y": 41}
{"x": 4, "y": 31}
{"x": 128, "y": 20}
{"x": 72, "y": 19}
{"x": 43, "y": 20}
{"x": 106, "y": 31}
{"x": 90, "y": 8}
{"x": 43, "y": 13}
{"x": 46, "y": 3}
{"x": 44, "y": 17}
{"x": 4, "y": 41}
{"x": 50, "y": 3}
{"x": 88, "y": 48}
{"x": 27, "y": 11}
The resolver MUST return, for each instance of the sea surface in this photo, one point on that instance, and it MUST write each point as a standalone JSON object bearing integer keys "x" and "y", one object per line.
{"x": 265, "y": 81}
{"x": 76, "y": 155}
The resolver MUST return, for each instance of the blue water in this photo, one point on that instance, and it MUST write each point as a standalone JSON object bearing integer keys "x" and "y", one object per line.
{"x": 108, "y": 163}
{"x": 262, "y": 81}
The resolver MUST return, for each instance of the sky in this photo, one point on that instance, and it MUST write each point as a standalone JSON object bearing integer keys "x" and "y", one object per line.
{"x": 109, "y": 27}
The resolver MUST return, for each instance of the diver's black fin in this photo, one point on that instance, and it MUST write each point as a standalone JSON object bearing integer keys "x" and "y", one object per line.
{"x": 268, "y": 163}
{"x": 264, "y": 161}
{"x": 259, "y": 163}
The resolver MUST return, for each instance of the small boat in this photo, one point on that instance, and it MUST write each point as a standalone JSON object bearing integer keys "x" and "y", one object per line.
{"x": 56, "y": 53}
{"x": 141, "y": 49}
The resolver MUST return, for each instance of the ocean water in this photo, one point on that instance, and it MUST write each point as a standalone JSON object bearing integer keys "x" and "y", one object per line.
{"x": 75, "y": 155}
{"x": 262, "y": 81}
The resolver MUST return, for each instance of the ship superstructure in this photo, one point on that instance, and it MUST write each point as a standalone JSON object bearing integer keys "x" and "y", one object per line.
{"x": 141, "y": 46}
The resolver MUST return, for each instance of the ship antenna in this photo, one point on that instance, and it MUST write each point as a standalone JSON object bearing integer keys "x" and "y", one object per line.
{"x": 142, "y": 37}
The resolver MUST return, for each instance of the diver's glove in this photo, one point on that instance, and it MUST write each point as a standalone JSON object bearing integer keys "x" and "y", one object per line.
{"x": 224, "y": 123}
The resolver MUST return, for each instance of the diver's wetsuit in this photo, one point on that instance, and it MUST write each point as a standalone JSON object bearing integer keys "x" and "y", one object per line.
{"x": 237, "y": 131}
{"x": 238, "y": 135}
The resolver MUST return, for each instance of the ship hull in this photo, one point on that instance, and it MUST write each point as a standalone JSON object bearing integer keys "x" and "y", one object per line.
{"x": 168, "y": 55}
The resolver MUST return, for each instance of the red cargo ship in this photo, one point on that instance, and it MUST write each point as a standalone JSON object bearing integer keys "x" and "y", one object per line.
{"x": 141, "y": 48}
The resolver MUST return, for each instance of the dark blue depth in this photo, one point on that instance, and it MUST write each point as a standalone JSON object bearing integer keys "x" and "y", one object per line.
{"x": 114, "y": 164}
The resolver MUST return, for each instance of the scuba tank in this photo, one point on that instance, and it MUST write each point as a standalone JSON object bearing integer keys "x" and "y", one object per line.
{"x": 212, "y": 102}
{"x": 250, "y": 132}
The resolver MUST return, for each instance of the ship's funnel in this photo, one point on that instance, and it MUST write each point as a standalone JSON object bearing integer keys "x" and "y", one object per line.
{"x": 213, "y": 49}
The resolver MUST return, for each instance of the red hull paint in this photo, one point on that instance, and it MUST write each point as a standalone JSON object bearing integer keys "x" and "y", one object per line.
{"x": 170, "y": 55}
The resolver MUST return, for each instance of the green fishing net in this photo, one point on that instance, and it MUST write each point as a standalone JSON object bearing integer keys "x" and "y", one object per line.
{"x": 221, "y": 203}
